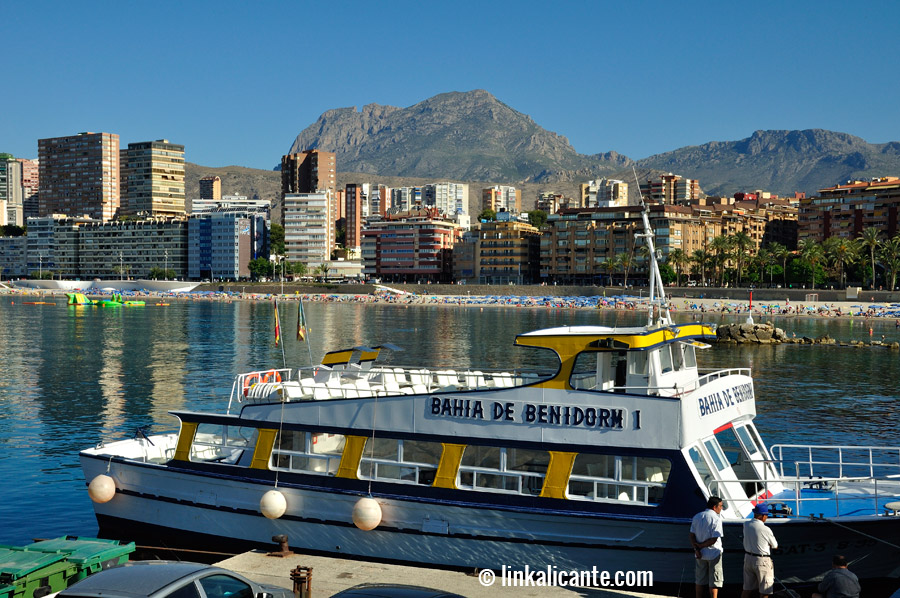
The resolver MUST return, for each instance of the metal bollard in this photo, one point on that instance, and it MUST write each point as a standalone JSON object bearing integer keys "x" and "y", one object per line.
{"x": 302, "y": 578}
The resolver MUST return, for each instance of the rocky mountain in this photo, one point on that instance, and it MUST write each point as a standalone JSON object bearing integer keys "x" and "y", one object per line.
{"x": 472, "y": 136}
{"x": 460, "y": 136}
{"x": 780, "y": 161}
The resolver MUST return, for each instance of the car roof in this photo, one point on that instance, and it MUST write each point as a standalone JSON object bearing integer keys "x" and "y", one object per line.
{"x": 387, "y": 590}
{"x": 135, "y": 578}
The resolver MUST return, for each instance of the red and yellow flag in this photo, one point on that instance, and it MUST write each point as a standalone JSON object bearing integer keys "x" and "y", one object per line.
{"x": 277, "y": 324}
{"x": 301, "y": 323}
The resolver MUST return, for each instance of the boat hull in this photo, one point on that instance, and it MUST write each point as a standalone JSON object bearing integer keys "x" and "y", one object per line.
{"x": 223, "y": 508}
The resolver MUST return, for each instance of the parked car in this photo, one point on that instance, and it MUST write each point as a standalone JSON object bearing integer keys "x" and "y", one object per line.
{"x": 170, "y": 579}
{"x": 389, "y": 590}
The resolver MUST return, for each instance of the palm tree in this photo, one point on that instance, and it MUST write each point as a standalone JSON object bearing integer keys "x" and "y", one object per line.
{"x": 701, "y": 259}
{"x": 780, "y": 252}
{"x": 678, "y": 258}
{"x": 869, "y": 239}
{"x": 841, "y": 251}
{"x": 765, "y": 260}
{"x": 812, "y": 253}
{"x": 721, "y": 249}
{"x": 741, "y": 243}
{"x": 890, "y": 257}
{"x": 609, "y": 266}
{"x": 624, "y": 262}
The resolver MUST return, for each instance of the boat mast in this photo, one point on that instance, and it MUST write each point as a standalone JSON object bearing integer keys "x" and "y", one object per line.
{"x": 657, "y": 290}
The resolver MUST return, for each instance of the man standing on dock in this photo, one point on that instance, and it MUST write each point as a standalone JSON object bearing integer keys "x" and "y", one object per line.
{"x": 759, "y": 541}
{"x": 706, "y": 538}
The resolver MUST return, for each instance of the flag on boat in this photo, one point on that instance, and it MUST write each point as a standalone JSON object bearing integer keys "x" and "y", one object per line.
{"x": 277, "y": 325}
{"x": 301, "y": 322}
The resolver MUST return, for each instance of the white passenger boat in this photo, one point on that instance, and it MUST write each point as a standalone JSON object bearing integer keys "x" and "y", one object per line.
{"x": 601, "y": 463}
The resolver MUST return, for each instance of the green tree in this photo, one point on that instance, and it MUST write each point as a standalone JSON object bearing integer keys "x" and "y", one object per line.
{"x": 157, "y": 273}
{"x": 765, "y": 260}
{"x": 890, "y": 257}
{"x": 869, "y": 240}
{"x": 298, "y": 268}
{"x": 678, "y": 258}
{"x": 260, "y": 268}
{"x": 780, "y": 252}
{"x": 488, "y": 215}
{"x": 841, "y": 252}
{"x": 276, "y": 239}
{"x": 624, "y": 262}
{"x": 811, "y": 252}
{"x": 721, "y": 250}
{"x": 537, "y": 218}
{"x": 701, "y": 260}
{"x": 11, "y": 230}
{"x": 741, "y": 244}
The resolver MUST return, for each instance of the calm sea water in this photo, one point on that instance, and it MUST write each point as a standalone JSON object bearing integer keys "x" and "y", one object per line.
{"x": 71, "y": 377}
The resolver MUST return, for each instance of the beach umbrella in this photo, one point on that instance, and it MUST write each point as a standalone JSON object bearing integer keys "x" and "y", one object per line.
{"x": 876, "y": 307}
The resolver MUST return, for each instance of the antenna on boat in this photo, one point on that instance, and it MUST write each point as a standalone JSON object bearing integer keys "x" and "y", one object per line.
{"x": 657, "y": 290}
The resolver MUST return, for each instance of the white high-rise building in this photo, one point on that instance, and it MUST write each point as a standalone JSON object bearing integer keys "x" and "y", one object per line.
{"x": 307, "y": 235}
{"x": 448, "y": 198}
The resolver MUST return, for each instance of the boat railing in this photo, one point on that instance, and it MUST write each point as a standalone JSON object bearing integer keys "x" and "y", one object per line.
{"x": 835, "y": 460}
{"x": 836, "y": 496}
{"x": 712, "y": 376}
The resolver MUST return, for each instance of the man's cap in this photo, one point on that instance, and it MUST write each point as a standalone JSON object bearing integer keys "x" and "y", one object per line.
{"x": 761, "y": 509}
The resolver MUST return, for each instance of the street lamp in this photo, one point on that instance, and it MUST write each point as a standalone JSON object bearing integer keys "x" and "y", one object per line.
{"x": 166, "y": 269}
{"x": 121, "y": 268}
{"x": 40, "y": 267}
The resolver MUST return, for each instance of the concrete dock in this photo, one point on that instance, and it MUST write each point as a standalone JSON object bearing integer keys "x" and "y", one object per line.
{"x": 332, "y": 575}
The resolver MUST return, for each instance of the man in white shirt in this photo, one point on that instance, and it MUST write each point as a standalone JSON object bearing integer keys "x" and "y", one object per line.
{"x": 759, "y": 541}
{"x": 706, "y": 538}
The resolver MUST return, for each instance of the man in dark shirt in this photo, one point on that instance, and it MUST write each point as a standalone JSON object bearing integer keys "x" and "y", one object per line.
{"x": 840, "y": 582}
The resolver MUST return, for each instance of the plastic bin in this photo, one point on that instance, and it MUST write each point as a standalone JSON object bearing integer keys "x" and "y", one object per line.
{"x": 27, "y": 572}
{"x": 88, "y": 555}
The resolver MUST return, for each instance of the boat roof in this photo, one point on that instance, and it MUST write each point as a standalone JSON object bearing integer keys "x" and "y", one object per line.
{"x": 565, "y": 339}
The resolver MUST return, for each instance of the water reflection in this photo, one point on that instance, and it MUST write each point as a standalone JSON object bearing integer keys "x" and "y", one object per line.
{"x": 75, "y": 376}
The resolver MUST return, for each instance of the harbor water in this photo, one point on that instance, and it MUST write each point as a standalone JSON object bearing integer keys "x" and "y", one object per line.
{"x": 72, "y": 377}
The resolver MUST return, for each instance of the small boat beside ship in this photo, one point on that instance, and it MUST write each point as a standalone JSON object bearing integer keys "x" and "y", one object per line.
{"x": 601, "y": 462}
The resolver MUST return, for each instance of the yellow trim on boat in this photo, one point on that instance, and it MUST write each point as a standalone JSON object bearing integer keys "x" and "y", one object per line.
{"x": 557, "y": 479}
{"x": 568, "y": 346}
{"x": 265, "y": 442}
{"x": 337, "y": 357}
{"x": 185, "y": 440}
{"x": 369, "y": 355}
{"x": 350, "y": 458}
{"x": 448, "y": 467}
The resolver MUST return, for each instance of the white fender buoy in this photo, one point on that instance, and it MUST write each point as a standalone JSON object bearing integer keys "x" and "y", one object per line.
{"x": 102, "y": 488}
{"x": 366, "y": 514}
{"x": 273, "y": 504}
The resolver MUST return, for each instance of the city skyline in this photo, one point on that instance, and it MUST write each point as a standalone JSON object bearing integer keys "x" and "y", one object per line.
{"x": 637, "y": 79}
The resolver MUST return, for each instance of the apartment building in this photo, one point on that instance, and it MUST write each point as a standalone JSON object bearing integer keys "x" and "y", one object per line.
{"x": 79, "y": 175}
{"x": 13, "y": 257}
{"x": 152, "y": 179}
{"x": 221, "y": 245}
{"x": 132, "y": 248}
{"x": 846, "y": 210}
{"x": 211, "y": 188}
{"x": 356, "y": 209}
{"x": 405, "y": 199}
{"x": 507, "y": 252}
{"x": 410, "y": 247}
{"x": 447, "y": 198}
{"x": 671, "y": 189}
{"x": 308, "y": 221}
{"x": 604, "y": 193}
{"x": 501, "y": 198}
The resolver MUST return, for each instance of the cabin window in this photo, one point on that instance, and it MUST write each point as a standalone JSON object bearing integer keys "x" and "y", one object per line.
{"x": 699, "y": 461}
{"x": 588, "y": 371}
{"x": 637, "y": 363}
{"x": 677, "y": 356}
{"x": 222, "y": 444}
{"x": 746, "y": 440}
{"x": 665, "y": 359}
{"x": 610, "y": 477}
{"x": 690, "y": 356}
{"x": 308, "y": 452}
{"x": 410, "y": 461}
{"x": 716, "y": 454}
{"x": 503, "y": 469}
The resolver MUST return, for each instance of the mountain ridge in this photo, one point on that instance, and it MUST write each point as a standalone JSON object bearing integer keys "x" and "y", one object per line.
{"x": 474, "y": 136}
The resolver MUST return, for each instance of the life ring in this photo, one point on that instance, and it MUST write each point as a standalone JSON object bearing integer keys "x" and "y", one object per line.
{"x": 249, "y": 381}
{"x": 271, "y": 376}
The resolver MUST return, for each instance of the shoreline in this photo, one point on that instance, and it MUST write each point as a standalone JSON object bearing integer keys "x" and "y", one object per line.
{"x": 761, "y": 310}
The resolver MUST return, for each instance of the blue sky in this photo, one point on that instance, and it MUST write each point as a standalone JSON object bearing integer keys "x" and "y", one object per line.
{"x": 236, "y": 81}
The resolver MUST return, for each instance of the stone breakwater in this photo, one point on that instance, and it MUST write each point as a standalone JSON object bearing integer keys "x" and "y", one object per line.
{"x": 767, "y": 334}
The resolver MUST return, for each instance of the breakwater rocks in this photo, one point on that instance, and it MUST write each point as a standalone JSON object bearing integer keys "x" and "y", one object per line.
{"x": 767, "y": 334}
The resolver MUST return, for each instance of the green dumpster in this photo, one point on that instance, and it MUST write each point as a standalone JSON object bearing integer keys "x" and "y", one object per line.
{"x": 88, "y": 555}
{"x": 33, "y": 574}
